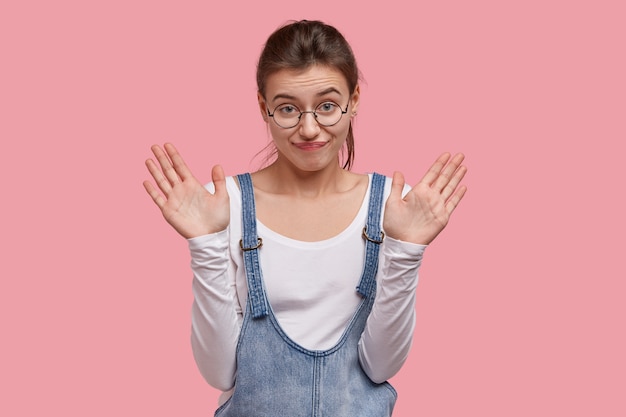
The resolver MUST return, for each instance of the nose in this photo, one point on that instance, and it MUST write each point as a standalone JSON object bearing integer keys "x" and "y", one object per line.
{"x": 309, "y": 128}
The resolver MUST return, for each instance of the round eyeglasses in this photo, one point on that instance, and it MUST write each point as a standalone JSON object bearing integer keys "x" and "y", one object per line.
{"x": 326, "y": 114}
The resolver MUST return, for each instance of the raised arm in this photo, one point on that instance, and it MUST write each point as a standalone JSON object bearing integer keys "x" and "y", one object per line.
{"x": 410, "y": 222}
{"x": 202, "y": 218}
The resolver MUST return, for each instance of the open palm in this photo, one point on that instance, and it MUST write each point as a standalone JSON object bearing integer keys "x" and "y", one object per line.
{"x": 426, "y": 209}
{"x": 183, "y": 201}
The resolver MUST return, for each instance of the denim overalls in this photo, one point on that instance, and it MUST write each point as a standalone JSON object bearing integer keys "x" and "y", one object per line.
{"x": 276, "y": 377}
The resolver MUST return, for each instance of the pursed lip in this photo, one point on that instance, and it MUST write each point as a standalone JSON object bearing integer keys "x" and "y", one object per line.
{"x": 310, "y": 146}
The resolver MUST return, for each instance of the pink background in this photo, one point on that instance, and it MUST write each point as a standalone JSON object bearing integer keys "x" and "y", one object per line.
{"x": 521, "y": 305}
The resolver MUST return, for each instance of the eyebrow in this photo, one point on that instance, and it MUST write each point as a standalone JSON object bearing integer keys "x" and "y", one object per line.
{"x": 320, "y": 94}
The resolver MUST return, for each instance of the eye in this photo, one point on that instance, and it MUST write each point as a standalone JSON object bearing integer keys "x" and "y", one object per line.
{"x": 287, "y": 109}
{"x": 327, "y": 107}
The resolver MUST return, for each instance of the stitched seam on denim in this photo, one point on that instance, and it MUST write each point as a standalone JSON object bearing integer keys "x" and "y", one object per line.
{"x": 316, "y": 386}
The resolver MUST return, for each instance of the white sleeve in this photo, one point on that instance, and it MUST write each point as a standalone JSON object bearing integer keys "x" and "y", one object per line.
{"x": 215, "y": 321}
{"x": 388, "y": 334}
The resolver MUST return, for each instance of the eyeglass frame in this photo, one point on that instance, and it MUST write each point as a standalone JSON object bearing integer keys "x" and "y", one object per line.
{"x": 308, "y": 111}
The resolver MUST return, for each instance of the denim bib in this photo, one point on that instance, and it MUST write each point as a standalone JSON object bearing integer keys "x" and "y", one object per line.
{"x": 276, "y": 377}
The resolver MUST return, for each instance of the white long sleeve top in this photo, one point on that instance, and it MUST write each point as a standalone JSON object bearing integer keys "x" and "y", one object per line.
{"x": 311, "y": 287}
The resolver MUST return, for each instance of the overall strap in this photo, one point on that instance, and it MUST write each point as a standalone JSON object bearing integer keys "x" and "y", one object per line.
{"x": 373, "y": 235}
{"x": 250, "y": 244}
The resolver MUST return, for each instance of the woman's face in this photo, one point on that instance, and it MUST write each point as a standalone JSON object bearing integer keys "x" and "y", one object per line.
{"x": 308, "y": 146}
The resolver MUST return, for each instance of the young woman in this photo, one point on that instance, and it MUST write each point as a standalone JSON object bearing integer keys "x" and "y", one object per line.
{"x": 305, "y": 272}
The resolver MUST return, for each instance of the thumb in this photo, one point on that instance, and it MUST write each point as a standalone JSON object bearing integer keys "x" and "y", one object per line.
{"x": 397, "y": 186}
{"x": 219, "y": 179}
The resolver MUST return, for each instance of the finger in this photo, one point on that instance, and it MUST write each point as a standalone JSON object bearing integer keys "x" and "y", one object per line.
{"x": 397, "y": 186}
{"x": 159, "y": 178}
{"x": 166, "y": 165}
{"x": 154, "y": 193}
{"x": 456, "y": 198}
{"x": 177, "y": 162}
{"x": 454, "y": 182}
{"x": 448, "y": 172}
{"x": 433, "y": 172}
{"x": 219, "y": 179}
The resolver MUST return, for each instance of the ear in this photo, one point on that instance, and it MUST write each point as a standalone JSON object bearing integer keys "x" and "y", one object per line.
{"x": 262, "y": 106}
{"x": 354, "y": 100}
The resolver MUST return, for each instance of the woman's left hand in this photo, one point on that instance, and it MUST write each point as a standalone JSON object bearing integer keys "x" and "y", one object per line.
{"x": 426, "y": 209}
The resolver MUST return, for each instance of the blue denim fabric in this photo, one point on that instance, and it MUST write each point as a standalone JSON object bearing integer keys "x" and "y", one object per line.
{"x": 276, "y": 377}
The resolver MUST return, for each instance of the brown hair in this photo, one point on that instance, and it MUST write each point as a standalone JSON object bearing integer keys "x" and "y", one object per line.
{"x": 299, "y": 45}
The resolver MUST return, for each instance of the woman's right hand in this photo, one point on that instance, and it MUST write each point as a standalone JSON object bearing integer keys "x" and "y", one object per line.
{"x": 184, "y": 202}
